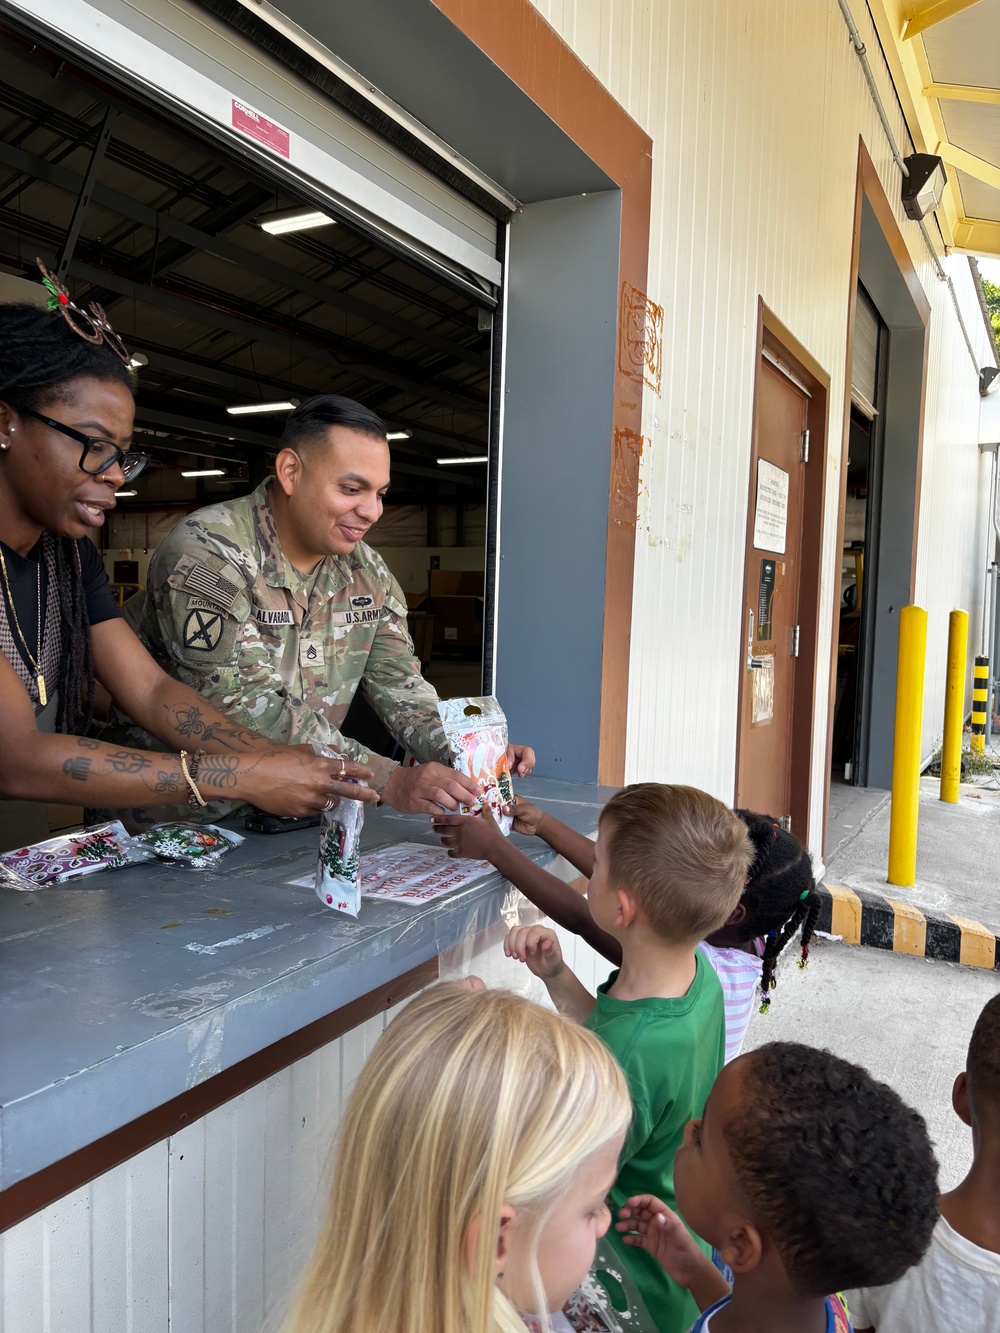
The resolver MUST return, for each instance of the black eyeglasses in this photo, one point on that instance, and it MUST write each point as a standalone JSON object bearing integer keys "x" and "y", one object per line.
{"x": 98, "y": 455}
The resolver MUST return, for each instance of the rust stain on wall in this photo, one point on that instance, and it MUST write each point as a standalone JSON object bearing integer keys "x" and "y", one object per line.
{"x": 626, "y": 451}
{"x": 640, "y": 351}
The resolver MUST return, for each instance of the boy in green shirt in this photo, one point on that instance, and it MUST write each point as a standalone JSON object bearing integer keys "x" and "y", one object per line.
{"x": 670, "y": 865}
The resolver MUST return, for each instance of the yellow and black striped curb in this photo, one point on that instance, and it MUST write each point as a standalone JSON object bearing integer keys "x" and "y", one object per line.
{"x": 886, "y": 923}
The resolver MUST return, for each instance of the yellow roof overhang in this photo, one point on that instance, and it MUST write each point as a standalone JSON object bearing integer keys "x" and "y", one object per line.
{"x": 944, "y": 56}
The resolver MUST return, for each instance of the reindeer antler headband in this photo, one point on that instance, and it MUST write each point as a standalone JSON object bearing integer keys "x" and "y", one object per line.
{"x": 92, "y": 324}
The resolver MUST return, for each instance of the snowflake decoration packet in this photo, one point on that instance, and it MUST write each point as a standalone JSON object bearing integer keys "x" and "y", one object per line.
{"x": 71, "y": 856}
{"x": 476, "y": 730}
{"x": 194, "y": 845}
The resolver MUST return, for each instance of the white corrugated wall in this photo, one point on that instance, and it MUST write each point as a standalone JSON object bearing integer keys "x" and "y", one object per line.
{"x": 754, "y": 110}
{"x": 207, "y": 1231}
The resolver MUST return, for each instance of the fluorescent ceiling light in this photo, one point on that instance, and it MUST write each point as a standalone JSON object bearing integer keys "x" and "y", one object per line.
{"x": 206, "y": 472}
{"x": 284, "y": 220}
{"x": 251, "y": 409}
{"x": 125, "y": 495}
{"x": 474, "y": 458}
{"x": 399, "y": 435}
{"x": 137, "y": 360}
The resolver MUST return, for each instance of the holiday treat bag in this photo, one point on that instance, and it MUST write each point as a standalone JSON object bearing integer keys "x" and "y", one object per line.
{"x": 477, "y": 734}
{"x": 338, "y": 869}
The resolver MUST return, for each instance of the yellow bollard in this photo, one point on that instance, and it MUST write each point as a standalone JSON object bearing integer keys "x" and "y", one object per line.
{"x": 954, "y": 706}
{"x": 905, "y": 802}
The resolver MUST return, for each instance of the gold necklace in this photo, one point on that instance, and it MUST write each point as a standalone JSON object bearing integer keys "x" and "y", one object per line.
{"x": 43, "y": 697}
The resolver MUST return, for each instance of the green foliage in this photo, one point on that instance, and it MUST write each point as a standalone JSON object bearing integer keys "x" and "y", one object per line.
{"x": 992, "y": 292}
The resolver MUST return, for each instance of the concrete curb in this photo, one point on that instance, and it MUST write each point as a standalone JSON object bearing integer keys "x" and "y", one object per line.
{"x": 886, "y": 923}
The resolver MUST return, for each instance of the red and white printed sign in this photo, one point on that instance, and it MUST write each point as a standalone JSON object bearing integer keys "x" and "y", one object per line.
{"x": 251, "y": 122}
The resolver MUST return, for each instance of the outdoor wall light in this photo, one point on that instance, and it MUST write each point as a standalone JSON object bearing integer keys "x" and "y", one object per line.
{"x": 989, "y": 380}
{"x": 283, "y": 220}
{"x": 924, "y": 186}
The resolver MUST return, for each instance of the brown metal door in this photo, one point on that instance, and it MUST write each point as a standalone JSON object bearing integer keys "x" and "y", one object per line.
{"x": 771, "y": 596}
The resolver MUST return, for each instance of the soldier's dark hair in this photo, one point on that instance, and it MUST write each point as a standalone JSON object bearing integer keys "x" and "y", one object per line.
{"x": 40, "y": 356}
{"x": 835, "y": 1167}
{"x": 983, "y": 1066}
{"x": 780, "y": 896}
{"x": 312, "y": 419}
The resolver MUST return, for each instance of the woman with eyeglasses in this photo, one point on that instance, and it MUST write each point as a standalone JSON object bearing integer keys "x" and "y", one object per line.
{"x": 66, "y": 412}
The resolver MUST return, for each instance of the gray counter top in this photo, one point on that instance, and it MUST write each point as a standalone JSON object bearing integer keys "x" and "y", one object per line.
{"x": 107, "y": 1012}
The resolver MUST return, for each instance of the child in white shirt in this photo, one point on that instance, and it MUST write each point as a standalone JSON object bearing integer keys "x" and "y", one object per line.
{"x": 957, "y": 1284}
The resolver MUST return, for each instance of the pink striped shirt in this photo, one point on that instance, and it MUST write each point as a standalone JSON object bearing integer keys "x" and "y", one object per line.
{"x": 739, "y": 975}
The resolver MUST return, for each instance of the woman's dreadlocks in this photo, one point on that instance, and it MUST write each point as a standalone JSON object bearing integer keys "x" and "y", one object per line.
{"x": 39, "y": 355}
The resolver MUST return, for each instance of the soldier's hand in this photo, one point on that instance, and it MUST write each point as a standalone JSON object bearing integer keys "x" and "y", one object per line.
{"x": 425, "y": 789}
{"x": 520, "y": 760}
{"x": 294, "y": 781}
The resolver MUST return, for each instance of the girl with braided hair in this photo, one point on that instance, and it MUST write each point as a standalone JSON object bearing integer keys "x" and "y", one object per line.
{"x": 66, "y": 413}
{"x": 779, "y": 899}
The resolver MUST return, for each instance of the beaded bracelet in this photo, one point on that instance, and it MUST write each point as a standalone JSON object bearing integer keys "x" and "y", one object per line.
{"x": 195, "y": 799}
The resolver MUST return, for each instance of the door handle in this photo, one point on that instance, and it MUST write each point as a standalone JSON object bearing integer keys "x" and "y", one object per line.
{"x": 753, "y": 663}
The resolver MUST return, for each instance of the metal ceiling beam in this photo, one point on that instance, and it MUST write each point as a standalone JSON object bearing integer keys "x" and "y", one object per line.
{"x": 79, "y": 132}
{"x": 190, "y": 425}
{"x": 240, "y": 381}
{"x": 207, "y": 311}
{"x": 968, "y": 162}
{"x": 86, "y": 190}
{"x": 926, "y": 16}
{"x": 963, "y": 92}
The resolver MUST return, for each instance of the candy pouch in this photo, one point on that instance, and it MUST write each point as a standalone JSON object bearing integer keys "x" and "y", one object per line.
{"x": 70, "y": 856}
{"x": 476, "y": 730}
{"x": 195, "y": 845}
{"x": 338, "y": 883}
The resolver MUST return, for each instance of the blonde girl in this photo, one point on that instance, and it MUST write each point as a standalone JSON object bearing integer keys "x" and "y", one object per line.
{"x": 474, "y": 1159}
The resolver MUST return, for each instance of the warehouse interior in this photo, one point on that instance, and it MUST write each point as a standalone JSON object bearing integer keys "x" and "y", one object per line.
{"x": 185, "y": 248}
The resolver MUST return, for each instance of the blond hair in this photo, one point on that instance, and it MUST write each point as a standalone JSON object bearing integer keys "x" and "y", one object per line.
{"x": 469, "y": 1101}
{"x": 683, "y": 856}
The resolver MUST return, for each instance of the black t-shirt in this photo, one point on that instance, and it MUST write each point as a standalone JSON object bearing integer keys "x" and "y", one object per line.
{"x": 22, "y": 575}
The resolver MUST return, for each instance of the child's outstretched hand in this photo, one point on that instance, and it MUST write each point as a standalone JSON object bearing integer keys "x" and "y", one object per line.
{"x": 469, "y": 837}
{"x": 527, "y": 817}
{"x": 647, "y": 1222}
{"x": 538, "y": 946}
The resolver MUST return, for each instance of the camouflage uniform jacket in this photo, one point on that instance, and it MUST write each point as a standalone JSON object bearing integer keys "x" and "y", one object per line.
{"x": 279, "y": 651}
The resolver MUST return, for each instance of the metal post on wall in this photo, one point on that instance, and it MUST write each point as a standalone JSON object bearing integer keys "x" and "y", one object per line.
{"x": 954, "y": 706}
{"x": 905, "y": 802}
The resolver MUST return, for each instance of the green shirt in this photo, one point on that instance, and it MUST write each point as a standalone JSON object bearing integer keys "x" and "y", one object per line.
{"x": 670, "y": 1052}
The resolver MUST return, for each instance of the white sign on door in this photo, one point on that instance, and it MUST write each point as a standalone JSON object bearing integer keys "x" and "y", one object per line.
{"x": 770, "y": 520}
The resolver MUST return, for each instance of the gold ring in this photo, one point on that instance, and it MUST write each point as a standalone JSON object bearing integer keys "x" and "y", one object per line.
{"x": 343, "y": 770}
{"x": 331, "y": 801}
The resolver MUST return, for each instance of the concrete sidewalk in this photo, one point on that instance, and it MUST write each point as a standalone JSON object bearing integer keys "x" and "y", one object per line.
{"x": 905, "y": 1019}
{"x": 958, "y": 868}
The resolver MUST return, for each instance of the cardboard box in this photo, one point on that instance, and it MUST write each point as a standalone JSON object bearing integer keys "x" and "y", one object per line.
{"x": 456, "y": 603}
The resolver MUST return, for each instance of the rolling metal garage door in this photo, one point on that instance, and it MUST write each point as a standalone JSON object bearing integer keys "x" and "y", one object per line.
{"x": 213, "y": 77}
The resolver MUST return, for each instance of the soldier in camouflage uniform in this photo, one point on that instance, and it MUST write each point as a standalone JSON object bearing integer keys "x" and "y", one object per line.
{"x": 274, "y": 609}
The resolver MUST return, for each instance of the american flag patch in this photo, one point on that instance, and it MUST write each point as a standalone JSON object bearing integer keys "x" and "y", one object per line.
{"x": 212, "y": 586}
